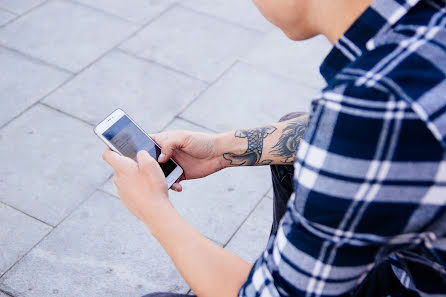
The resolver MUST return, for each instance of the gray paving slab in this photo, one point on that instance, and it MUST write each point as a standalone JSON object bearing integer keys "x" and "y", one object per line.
{"x": 5, "y": 17}
{"x": 241, "y": 12}
{"x": 201, "y": 46}
{"x": 297, "y": 60}
{"x": 68, "y": 35}
{"x": 100, "y": 250}
{"x": 25, "y": 82}
{"x": 20, "y": 6}
{"x": 251, "y": 239}
{"x": 50, "y": 163}
{"x": 246, "y": 97}
{"x": 138, "y": 11}
{"x": 18, "y": 234}
{"x": 151, "y": 94}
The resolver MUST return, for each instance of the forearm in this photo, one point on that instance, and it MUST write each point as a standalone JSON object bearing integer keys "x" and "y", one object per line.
{"x": 208, "y": 269}
{"x": 272, "y": 144}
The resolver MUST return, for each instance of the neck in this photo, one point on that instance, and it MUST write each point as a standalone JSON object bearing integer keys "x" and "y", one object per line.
{"x": 337, "y": 16}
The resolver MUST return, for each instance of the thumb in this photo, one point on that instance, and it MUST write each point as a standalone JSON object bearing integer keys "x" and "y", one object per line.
{"x": 148, "y": 164}
{"x": 170, "y": 141}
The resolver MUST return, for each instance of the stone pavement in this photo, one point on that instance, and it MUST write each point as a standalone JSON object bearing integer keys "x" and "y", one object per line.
{"x": 171, "y": 64}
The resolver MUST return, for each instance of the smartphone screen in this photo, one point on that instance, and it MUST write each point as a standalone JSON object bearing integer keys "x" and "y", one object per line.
{"x": 128, "y": 139}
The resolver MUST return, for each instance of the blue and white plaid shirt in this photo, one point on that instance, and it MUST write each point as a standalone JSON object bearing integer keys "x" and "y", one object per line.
{"x": 370, "y": 174}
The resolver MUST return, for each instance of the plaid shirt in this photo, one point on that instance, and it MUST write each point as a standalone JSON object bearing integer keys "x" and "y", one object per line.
{"x": 370, "y": 174}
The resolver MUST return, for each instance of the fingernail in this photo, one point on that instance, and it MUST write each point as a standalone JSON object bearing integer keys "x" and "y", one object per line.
{"x": 161, "y": 157}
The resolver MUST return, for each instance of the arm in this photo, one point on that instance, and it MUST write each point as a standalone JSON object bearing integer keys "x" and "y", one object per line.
{"x": 272, "y": 144}
{"x": 208, "y": 269}
{"x": 201, "y": 154}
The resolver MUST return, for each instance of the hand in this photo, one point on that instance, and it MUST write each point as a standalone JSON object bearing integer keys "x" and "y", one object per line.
{"x": 142, "y": 186}
{"x": 195, "y": 152}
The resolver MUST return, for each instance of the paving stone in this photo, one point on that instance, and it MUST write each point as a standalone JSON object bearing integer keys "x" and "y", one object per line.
{"x": 100, "y": 250}
{"x": 298, "y": 60}
{"x": 192, "y": 42}
{"x": 5, "y": 17}
{"x": 242, "y": 12}
{"x": 24, "y": 83}
{"x": 65, "y": 34}
{"x": 50, "y": 163}
{"x": 251, "y": 239}
{"x": 18, "y": 234}
{"x": 138, "y": 11}
{"x": 151, "y": 94}
{"x": 217, "y": 204}
{"x": 246, "y": 97}
{"x": 19, "y": 6}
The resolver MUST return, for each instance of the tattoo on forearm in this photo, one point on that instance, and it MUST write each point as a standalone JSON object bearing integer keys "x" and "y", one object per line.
{"x": 290, "y": 139}
{"x": 253, "y": 154}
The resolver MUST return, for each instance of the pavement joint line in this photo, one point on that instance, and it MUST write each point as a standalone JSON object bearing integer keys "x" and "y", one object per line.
{"x": 6, "y": 293}
{"x": 9, "y": 11}
{"x": 221, "y": 19}
{"x": 144, "y": 59}
{"x": 280, "y": 76}
{"x": 179, "y": 114}
{"x": 24, "y": 13}
{"x": 244, "y": 221}
{"x": 195, "y": 124}
{"x": 18, "y": 115}
{"x": 66, "y": 114}
{"x": 108, "y": 194}
{"x": 104, "y": 12}
{"x": 36, "y": 60}
{"x": 27, "y": 214}
{"x": 36, "y": 102}
{"x": 29, "y": 10}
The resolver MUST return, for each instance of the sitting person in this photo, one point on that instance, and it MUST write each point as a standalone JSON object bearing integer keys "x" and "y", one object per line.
{"x": 363, "y": 210}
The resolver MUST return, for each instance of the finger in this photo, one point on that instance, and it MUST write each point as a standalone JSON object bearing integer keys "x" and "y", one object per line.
{"x": 111, "y": 157}
{"x": 177, "y": 187}
{"x": 116, "y": 161}
{"x": 159, "y": 138}
{"x": 148, "y": 164}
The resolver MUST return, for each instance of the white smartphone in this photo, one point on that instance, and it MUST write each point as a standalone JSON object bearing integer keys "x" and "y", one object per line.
{"x": 119, "y": 132}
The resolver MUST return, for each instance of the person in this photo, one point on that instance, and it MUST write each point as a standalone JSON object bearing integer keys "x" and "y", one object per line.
{"x": 362, "y": 213}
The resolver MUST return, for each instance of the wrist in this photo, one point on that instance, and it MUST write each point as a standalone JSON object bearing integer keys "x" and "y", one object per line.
{"x": 155, "y": 211}
{"x": 224, "y": 142}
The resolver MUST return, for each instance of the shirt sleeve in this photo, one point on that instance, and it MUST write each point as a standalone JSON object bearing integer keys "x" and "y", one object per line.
{"x": 357, "y": 195}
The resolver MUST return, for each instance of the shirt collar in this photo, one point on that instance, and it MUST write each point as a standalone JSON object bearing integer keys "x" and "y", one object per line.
{"x": 359, "y": 37}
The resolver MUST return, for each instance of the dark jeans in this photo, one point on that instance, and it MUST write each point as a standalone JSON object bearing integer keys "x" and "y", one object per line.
{"x": 282, "y": 176}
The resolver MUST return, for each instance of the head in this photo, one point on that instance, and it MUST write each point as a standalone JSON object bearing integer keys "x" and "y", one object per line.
{"x": 303, "y": 19}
